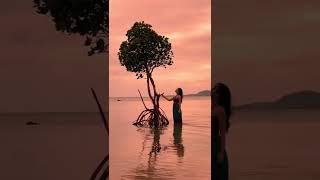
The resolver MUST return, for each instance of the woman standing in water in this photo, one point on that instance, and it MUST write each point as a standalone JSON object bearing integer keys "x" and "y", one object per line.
{"x": 177, "y": 101}
{"x": 221, "y": 114}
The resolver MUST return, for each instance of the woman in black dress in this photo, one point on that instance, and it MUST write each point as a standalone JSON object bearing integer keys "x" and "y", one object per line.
{"x": 221, "y": 98}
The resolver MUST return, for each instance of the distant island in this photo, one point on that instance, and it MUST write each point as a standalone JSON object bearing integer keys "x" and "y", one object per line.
{"x": 296, "y": 100}
{"x": 201, "y": 93}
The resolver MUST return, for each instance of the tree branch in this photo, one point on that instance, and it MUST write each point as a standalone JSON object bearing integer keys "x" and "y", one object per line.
{"x": 142, "y": 100}
{"x": 149, "y": 91}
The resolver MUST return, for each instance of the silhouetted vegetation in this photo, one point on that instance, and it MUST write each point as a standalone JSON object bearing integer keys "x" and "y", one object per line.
{"x": 87, "y": 18}
{"x": 103, "y": 167}
{"x": 90, "y": 19}
{"x": 143, "y": 52}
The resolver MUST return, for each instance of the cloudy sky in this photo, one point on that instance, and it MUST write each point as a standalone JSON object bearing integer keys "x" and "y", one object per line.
{"x": 261, "y": 50}
{"x": 44, "y": 70}
{"x": 188, "y": 26}
{"x": 265, "y": 49}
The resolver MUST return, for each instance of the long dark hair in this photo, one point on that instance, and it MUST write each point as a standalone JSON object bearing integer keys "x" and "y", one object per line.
{"x": 180, "y": 92}
{"x": 224, "y": 100}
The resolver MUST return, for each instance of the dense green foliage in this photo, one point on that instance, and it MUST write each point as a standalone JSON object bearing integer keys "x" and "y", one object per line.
{"x": 144, "y": 50}
{"x": 84, "y": 17}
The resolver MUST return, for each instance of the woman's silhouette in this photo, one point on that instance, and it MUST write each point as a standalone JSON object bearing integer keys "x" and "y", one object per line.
{"x": 221, "y": 98}
{"x": 177, "y": 101}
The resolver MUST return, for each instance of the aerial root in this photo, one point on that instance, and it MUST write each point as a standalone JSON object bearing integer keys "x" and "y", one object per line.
{"x": 149, "y": 118}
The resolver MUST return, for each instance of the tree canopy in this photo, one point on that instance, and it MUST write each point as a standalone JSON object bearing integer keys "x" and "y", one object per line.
{"x": 84, "y": 17}
{"x": 144, "y": 50}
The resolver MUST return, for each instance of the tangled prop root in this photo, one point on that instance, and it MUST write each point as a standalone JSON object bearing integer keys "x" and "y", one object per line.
{"x": 149, "y": 118}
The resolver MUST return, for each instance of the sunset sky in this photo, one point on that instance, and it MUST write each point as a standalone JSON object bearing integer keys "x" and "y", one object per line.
{"x": 188, "y": 26}
{"x": 266, "y": 49}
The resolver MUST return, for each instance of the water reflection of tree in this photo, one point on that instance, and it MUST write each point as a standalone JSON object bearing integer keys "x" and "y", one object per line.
{"x": 149, "y": 170}
{"x": 156, "y": 147}
{"x": 154, "y": 152}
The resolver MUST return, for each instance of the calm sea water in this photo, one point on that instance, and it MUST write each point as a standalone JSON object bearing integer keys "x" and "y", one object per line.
{"x": 168, "y": 153}
{"x": 277, "y": 145}
{"x": 64, "y": 146}
{"x": 262, "y": 145}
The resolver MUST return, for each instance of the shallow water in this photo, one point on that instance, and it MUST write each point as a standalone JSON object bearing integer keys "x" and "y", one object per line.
{"x": 278, "y": 145}
{"x": 64, "y": 146}
{"x": 170, "y": 153}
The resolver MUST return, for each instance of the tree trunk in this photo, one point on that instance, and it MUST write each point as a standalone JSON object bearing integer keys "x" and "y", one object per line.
{"x": 155, "y": 100}
{"x": 149, "y": 91}
{"x": 152, "y": 117}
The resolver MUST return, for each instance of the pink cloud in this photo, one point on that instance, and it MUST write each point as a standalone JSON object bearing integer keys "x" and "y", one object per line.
{"x": 188, "y": 26}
